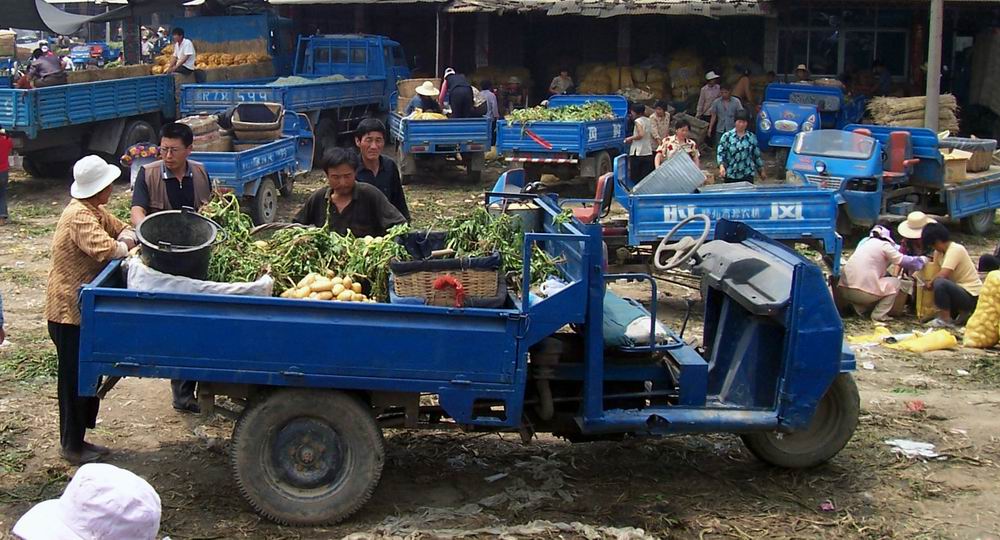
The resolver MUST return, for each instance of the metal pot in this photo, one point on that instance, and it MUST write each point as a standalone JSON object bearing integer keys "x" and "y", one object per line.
{"x": 178, "y": 242}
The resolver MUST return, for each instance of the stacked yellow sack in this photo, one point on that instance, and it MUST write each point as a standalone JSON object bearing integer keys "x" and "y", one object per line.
{"x": 982, "y": 330}
{"x": 499, "y": 75}
{"x": 627, "y": 80}
{"x": 686, "y": 75}
{"x": 419, "y": 114}
{"x": 212, "y": 60}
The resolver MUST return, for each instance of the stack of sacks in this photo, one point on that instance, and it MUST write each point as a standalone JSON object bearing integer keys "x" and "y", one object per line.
{"x": 686, "y": 75}
{"x": 499, "y": 75}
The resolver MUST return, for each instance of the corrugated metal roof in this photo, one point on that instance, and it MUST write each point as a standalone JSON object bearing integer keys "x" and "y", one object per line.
{"x": 612, "y": 8}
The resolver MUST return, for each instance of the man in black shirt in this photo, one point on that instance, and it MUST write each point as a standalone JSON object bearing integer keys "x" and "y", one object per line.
{"x": 376, "y": 169}
{"x": 347, "y": 204}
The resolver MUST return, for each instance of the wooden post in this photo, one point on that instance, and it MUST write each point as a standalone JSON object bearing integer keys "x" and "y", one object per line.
{"x": 131, "y": 41}
{"x": 934, "y": 65}
{"x": 624, "y": 40}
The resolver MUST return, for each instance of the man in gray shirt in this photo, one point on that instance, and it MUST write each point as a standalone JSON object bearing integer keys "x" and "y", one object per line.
{"x": 46, "y": 70}
{"x": 723, "y": 112}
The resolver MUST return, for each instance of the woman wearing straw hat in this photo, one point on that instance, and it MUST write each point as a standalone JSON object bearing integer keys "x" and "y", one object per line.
{"x": 424, "y": 99}
{"x": 86, "y": 238}
{"x": 910, "y": 231}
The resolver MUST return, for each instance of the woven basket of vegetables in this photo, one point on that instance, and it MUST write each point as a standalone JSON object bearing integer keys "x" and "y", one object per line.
{"x": 436, "y": 277}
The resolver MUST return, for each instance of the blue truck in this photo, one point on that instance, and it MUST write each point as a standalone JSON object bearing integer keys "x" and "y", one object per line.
{"x": 421, "y": 143}
{"x": 368, "y": 68}
{"x": 883, "y": 173}
{"x": 53, "y": 126}
{"x": 566, "y": 149}
{"x": 93, "y": 53}
{"x": 317, "y": 382}
{"x": 259, "y": 174}
{"x": 787, "y": 214}
{"x": 789, "y": 109}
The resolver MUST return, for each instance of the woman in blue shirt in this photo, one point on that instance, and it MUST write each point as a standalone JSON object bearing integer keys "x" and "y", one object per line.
{"x": 738, "y": 153}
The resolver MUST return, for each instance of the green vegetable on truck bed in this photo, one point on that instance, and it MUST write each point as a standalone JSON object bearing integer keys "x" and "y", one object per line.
{"x": 593, "y": 110}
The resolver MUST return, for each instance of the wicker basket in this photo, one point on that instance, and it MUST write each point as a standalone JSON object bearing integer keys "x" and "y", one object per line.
{"x": 982, "y": 151}
{"x": 258, "y": 121}
{"x": 481, "y": 287}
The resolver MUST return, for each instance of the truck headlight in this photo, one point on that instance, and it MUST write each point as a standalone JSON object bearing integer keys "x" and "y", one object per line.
{"x": 810, "y": 123}
{"x": 765, "y": 124}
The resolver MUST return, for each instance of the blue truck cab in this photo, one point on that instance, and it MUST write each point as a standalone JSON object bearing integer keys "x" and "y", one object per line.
{"x": 883, "y": 173}
{"x": 789, "y": 109}
{"x": 95, "y": 53}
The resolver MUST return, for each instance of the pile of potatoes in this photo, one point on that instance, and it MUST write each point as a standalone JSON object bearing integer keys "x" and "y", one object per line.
{"x": 209, "y": 60}
{"x": 327, "y": 287}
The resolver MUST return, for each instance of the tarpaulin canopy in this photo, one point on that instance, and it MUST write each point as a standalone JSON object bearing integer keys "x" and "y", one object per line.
{"x": 40, "y": 15}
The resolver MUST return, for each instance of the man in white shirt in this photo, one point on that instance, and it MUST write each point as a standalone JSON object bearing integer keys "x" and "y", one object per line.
{"x": 184, "y": 56}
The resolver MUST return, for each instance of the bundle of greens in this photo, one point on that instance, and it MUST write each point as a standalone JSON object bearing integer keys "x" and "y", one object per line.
{"x": 293, "y": 253}
{"x": 593, "y": 110}
{"x": 481, "y": 234}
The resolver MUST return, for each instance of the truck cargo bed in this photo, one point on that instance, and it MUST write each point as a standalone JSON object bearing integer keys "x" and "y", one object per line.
{"x": 316, "y": 96}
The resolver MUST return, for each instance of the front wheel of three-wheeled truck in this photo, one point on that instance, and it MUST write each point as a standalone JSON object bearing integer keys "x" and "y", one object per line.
{"x": 307, "y": 457}
{"x": 832, "y": 426}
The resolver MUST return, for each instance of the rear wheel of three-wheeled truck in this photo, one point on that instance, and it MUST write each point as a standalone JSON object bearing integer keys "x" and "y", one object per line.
{"x": 831, "y": 428}
{"x": 307, "y": 457}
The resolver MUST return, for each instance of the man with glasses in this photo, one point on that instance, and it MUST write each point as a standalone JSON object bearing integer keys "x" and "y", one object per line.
{"x": 171, "y": 184}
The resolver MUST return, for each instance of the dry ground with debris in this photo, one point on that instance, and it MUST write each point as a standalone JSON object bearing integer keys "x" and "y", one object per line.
{"x": 454, "y": 485}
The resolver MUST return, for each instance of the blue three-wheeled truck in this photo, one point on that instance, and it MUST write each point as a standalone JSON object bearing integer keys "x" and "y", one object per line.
{"x": 318, "y": 381}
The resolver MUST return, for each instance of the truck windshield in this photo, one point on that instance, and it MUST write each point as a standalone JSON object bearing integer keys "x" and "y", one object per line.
{"x": 834, "y": 143}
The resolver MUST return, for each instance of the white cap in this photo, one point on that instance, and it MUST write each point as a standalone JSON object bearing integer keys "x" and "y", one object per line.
{"x": 711, "y": 75}
{"x": 101, "y": 502}
{"x": 802, "y": 67}
{"x": 91, "y": 175}
{"x": 449, "y": 71}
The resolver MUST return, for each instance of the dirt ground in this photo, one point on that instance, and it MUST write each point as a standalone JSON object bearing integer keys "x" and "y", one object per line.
{"x": 454, "y": 485}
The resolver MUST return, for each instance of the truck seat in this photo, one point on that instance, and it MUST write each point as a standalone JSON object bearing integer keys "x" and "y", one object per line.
{"x": 599, "y": 206}
{"x": 899, "y": 160}
{"x": 863, "y": 131}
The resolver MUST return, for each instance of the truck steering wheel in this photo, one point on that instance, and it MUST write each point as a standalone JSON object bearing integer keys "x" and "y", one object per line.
{"x": 683, "y": 249}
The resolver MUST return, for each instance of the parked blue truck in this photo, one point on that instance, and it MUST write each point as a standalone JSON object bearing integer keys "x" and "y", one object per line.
{"x": 423, "y": 143}
{"x": 53, "y": 126}
{"x": 259, "y": 174}
{"x": 790, "y": 109}
{"x": 883, "y": 173}
{"x": 318, "y": 381}
{"x": 93, "y": 53}
{"x": 369, "y": 68}
{"x": 566, "y": 149}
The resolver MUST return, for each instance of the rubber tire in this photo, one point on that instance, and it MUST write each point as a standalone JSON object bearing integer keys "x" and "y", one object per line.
{"x": 41, "y": 168}
{"x": 135, "y": 132}
{"x": 831, "y": 428}
{"x": 264, "y": 205}
{"x": 264, "y": 489}
{"x": 979, "y": 224}
{"x": 604, "y": 166}
{"x": 780, "y": 160}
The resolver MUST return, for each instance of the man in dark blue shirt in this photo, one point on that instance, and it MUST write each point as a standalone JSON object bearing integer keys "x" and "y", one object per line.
{"x": 376, "y": 169}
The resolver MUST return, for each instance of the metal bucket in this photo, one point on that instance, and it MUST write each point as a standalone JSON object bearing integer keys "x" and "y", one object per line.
{"x": 527, "y": 212}
{"x": 178, "y": 242}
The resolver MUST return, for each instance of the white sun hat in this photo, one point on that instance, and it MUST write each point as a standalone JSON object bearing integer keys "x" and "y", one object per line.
{"x": 914, "y": 225}
{"x": 711, "y": 75}
{"x": 91, "y": 175}
{"x": 101, "y": 502}
{"x": 427, "y": 89}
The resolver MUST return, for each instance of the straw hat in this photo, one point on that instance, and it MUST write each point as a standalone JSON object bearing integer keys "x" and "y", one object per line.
{"x": 914, "y": 225}
{"x": 91, "y": 175}
{"x": 427, "y": 89}
{"x": 514, "y": 80}
{"x": 801, "y": 67}
{"x": 102, "y": 501}
{"x": 711, "y": 75}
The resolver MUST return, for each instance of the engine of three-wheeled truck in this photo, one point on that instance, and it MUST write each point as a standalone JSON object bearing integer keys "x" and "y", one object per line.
{"x": 770, "y": 363}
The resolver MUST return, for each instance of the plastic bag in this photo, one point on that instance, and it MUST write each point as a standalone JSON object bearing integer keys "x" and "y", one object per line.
{"x": 931, "y": 341}
{"x": 982, "y": 329}
{"x": 146, "y": 279}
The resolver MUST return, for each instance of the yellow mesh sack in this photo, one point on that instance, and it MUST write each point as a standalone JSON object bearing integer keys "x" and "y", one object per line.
{"x": 983, "y": 328}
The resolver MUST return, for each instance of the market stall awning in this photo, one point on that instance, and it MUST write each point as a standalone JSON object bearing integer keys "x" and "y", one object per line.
{"x": 39, "y": 15}
{"x": 613, "y": 8}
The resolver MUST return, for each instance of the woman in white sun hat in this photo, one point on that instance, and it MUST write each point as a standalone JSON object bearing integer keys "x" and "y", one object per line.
{"x": 910, "y": 231}
{"x": 425, "y": 99}
{"x": 87, "y": 237}
{"x": 101, "y": 502}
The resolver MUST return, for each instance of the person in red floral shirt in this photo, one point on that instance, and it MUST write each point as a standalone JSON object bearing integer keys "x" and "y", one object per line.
{"x": 679, "y": 141}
